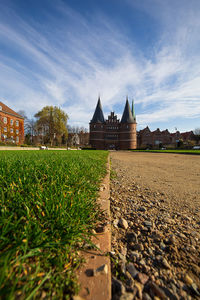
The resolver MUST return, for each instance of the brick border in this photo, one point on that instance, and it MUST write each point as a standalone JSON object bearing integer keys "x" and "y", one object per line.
{"x": 95, "y": 275}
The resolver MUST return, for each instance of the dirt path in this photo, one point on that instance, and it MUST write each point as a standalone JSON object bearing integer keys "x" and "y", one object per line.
{"x": 177, "y": 176}
{"x": 155, "y": 206}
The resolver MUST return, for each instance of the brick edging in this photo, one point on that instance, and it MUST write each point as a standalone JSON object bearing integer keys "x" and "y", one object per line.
{"x": 95, "y": 274}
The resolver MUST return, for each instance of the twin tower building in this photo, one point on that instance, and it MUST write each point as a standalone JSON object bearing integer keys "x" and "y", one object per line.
{"x": 113, "y": 133}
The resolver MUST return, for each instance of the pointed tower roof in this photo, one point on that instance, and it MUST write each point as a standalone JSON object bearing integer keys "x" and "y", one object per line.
{"x": 127, "y": 114}
{"x": 98, "y": 116}
{"x": 133, "y": 110}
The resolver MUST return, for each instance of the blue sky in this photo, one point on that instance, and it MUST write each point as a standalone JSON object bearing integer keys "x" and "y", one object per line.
{"x": 66, "y": 53}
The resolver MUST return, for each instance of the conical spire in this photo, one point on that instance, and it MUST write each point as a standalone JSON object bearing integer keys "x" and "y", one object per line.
{"x": 133, "y": 110}
{"x": 98, "y": 114}
{"x": 127, "y": 114}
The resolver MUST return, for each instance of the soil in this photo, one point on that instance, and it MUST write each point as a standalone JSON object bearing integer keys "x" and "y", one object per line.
{"x": 155, "y": 209}
{"x": 177, "y": 176}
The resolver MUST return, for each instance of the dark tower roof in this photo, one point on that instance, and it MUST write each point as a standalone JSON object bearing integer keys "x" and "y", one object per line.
{"x": 127, "y": 114}
{"x": 98, "y": 114}
{"x": 133, "y": 110}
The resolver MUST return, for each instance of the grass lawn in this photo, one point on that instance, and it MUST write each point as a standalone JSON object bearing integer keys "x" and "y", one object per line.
{"x": 195, "y": 152}
{"x": 47, "y": 210}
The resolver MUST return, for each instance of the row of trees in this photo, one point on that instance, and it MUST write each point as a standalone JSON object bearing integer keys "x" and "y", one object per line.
{"x": 49, "y": 126}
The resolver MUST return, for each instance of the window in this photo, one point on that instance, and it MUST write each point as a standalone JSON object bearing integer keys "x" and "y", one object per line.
{"x": 5, "y": 129}
{"x": 5, "y": 120}
{"x": 11, "y": 121}
{"x": 17, "y": 123}
{"x": 5, "y": 136}
{"x": 11, "y": 130}
{"x": 17, "y": 131}
{"x": 0, "y": 107}
{"x": 17, "y": 139}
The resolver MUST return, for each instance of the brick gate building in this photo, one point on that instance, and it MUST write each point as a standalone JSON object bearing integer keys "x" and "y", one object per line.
{"x": 113, "y": 133}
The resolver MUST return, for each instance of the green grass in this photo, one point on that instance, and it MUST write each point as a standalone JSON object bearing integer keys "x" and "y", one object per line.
{"x": 47, "y": 211}
{"x": 195, "y": 152}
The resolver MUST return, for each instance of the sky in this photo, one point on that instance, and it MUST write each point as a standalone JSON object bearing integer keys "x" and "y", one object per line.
{"x": 68, "y": 52}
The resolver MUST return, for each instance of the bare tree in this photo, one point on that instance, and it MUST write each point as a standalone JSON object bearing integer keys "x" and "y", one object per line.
{"x": 197, "y": 134}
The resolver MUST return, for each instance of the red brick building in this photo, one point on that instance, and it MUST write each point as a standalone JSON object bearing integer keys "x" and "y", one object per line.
{"x": 153, "y": 139}
{"x": 113, "y": 133}
{"x": 11, "y": 125}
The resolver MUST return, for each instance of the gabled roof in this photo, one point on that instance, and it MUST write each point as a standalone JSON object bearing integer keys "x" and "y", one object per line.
{"x": 98, "y": 116}
{"x": 9, "y": 111}
{"x": 127, "y": 116}
{"x": 157, "y": 131}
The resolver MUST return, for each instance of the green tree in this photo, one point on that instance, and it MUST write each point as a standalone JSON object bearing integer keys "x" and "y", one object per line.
{"x": 52, "y": 123}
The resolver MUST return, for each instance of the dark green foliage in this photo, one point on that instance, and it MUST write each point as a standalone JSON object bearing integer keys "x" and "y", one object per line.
{"x": 47, "y": 210}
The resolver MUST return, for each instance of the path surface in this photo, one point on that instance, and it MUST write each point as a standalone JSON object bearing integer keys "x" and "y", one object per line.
{"x": 155, "y": 206}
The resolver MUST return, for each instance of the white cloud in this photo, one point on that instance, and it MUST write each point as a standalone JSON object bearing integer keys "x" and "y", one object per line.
{"x": 69, "y": 65}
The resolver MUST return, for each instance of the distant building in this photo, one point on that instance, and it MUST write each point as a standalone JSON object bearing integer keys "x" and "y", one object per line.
{"x": 113, "y": 133}
{"x": 156, "y": 138}
{"x": 11, "y": 125}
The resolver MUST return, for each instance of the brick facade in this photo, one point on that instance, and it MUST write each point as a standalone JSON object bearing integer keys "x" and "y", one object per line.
{"x": 113, "y": 133}
{"x": 152, "y": 139}
{"x": 11, "y": 125}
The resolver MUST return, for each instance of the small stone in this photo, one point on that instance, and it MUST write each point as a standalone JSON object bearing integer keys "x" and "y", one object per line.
{"x": 150, "y": 250}
{"x": 146, "y": 296}
{"x": 148, "y": 224}
{"x": 126, "y": 296}
{"x": 172, "y": 239}
{"x": 100, "y": 229}
{"x": 135, "y": 254}
{"x": 139, "y": 287}
{"x": 115, "y": 222}
{"x": 143, "y": 262}
{"x": 138, "y": 247}
{"x": 165, "y": 263}
{"x": 194, "y": 289}
{"x": 162, "y": 246}
{"x": 123, "y": 223}
{"x": 90, "y": 272}
{"x": 123, "y": 266}
{"x": 168, "y": 220}
{"x": 132, "y": 270}
{"x": 142, "y": 278}
{"x": 142, "y": 209}
{"x": 121, "y": 256}
{"x": 188, "y": 280}
{"x": 123, "y": 251}
{"x": 157, "y": 291}
{"x": 132, "y": 238}
{"x": 117, "y": 287}
{"x": 181, "y": 235}
{"x": 182, "y": 294}
{"x": 102, "y": 270}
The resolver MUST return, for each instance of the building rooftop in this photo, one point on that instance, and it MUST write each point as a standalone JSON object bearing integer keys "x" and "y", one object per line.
{"x": 4, "y": 108}
{"x": 98, "y": 116}
{"x": 127, "y": 116}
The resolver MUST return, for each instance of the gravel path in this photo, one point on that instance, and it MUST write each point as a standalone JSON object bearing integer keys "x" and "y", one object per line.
{"x": 155, "y": 208}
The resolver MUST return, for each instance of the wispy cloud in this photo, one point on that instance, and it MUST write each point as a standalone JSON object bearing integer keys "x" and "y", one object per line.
{"x": 71, "y": 60}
